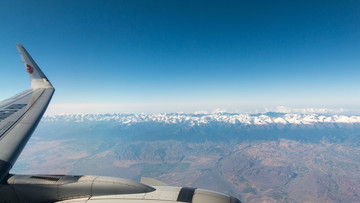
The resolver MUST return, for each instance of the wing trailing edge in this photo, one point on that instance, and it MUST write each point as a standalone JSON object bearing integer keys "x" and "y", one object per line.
{"x": 152, "y": 181}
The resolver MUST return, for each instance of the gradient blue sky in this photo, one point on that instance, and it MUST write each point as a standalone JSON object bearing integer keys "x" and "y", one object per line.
{"x": 167, "y": 56}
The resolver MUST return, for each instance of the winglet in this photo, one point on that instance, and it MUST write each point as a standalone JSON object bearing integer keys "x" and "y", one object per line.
{"x": 38, "y": 78}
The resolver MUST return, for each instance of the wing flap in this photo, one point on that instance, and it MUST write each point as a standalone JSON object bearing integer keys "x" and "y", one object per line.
{"x": 12, "y": 110}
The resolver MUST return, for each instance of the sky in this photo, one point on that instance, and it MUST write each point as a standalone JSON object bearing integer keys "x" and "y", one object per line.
{"x": 170, "y": 56}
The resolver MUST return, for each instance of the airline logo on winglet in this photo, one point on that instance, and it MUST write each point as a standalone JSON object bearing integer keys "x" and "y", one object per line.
{"x": 29, "y": 69}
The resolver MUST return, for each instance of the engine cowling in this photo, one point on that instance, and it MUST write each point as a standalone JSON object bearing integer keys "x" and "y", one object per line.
{"x": 39, "y": 188}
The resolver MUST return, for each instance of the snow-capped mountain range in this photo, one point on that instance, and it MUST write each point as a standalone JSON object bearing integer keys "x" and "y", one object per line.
{"x": 206, "y": 118}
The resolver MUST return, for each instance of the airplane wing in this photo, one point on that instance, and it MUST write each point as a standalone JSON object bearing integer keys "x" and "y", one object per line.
{"x": 20, "y": 114}
{"x": 19, "y": 117}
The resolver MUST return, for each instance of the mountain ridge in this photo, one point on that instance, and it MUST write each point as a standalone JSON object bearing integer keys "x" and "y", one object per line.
{"x": 197, "y": 119}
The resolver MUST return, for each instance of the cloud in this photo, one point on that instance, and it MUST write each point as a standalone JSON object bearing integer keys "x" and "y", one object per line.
{"x": 284, "y": 109}
{"x": 197, "y": 108}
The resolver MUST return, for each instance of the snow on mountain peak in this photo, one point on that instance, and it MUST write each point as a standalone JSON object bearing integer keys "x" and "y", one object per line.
{"x": 205, "y": 118}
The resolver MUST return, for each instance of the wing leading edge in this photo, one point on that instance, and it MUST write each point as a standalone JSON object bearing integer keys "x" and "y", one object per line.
{"x": 20, "y": 114}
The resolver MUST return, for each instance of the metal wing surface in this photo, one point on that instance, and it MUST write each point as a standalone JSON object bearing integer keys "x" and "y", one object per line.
{"x": 20, "y": 114}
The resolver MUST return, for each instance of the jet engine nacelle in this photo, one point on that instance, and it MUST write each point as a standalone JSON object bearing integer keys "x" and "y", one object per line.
{"x": 51, "y": 188}
{"x": 71, "y": 189}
